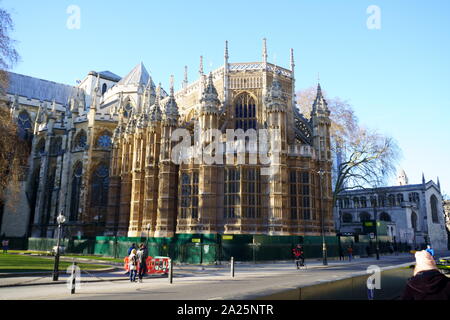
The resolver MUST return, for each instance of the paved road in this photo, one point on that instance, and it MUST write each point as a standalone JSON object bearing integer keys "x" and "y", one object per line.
{"x": 214, "y": 282}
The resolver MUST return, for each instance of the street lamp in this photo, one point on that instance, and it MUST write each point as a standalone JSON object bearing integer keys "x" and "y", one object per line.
{"x": 324, "y": 246}
{"x": 148, "y": 234}
{"x": 60, "y": 220}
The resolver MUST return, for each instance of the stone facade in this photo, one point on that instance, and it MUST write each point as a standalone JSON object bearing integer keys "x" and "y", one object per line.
{"x": 103, "y": 155}
{"x": 413, "y": 212}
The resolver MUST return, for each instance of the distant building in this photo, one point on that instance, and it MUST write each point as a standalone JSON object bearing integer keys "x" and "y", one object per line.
{"x": 413, "y": 212}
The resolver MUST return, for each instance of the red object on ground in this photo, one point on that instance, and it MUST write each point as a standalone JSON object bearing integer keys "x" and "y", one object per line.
{"x": 158, "y": 265}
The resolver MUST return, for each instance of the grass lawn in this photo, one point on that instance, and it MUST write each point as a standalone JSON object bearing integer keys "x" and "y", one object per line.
{"x": 23, "y": 263}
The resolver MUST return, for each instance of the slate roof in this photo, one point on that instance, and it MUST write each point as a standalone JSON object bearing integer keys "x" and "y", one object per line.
{"x": 43, "y": 90}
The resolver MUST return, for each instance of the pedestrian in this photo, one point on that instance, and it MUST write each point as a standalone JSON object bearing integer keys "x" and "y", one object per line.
{"x": 132, "y": 265}
{"x": 341, "y": 254}
{"x": 427, "y": 283}
{"x": 133, "y": 246}
{"x": 350, "y": 253}
{"x": 430, "y": 251}
{"x": 142, "y": 255}
{"x": 368, "y": 251}
{"x": 299, "y": 256}
{"x": 5, "y": 245}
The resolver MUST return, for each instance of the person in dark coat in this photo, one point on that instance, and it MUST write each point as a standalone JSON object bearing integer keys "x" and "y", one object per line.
{"x": 427, "y": 283}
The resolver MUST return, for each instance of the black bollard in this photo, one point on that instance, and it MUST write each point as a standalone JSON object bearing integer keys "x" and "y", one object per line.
{"x": 170, "y": 271}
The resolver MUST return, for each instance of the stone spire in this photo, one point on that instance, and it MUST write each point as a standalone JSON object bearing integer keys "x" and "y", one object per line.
{"x": 225, "y": 56}
{"x": 171, "y": 107}
{"x": 320, "y": 105}
{"x": 155, "y": 113}
{"x": 264, "y": 53}
{"x": 423, "y": 178}
{"x": 185, "y": 81}
{"x": 438, "y": 184}
{"x": 200, "y": 69}
{"x": 210, "y": 101}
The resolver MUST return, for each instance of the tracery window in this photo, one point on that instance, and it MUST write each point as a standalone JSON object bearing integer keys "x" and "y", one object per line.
{"x": 413, "y": 197}
{"x": 127, "y": 110}
{"x": 99, "y": 186}
{"x": 245, "y": 112}
{"x": 300, "y": 195}
{"x": 251, "y": 195}
{"x": 24, "y": 125}
{"x": 399, "y": 198}
{"x": 104, "y": 141}
{"x": 232, "y": 189}
{"x": 189, "y": 195}
{"x": 56, "y": 146}
{"x": 104, "y": 88}
{"x": 80, "y": 141}
{"x": 75, "y": 192}
{"x": 434, "y": 209}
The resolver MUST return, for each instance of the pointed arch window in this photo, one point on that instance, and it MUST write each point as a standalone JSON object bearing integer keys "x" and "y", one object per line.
{"x": 245, "y": 112}
{"x": 127, "y": 110}
{"x": 434, "y": 209}
{"x": 75, "y": 192}
{"x": 189, "y": 195}
{"x": 24, "y": 125}
{"x": 56, "y": 146}
{"x": 104, "y": 88}
{"x": 80, "y": 141}
{"x": 99, "y": 186}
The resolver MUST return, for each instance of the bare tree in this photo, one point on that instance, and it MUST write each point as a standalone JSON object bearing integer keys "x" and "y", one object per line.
{"x": 364, "y": 157}
{"x": 8, "y": 53}
{"x": 13, "y": 151}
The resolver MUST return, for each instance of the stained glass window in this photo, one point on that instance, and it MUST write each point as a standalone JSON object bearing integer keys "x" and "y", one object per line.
{"x": 76, "y": 191}
{"x": 99, "y": 186}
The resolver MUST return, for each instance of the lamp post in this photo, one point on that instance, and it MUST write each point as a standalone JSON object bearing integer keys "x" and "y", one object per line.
{"x": 60, "y": 219}
{"x": 324, "y": 246}
{"x": 148, "y": 234}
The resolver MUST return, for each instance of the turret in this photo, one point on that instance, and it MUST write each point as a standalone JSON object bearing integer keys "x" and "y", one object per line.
{"x": 321, "y": 122}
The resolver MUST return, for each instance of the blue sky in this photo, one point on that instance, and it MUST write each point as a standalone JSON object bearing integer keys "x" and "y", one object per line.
{"x": 397, "y": 78}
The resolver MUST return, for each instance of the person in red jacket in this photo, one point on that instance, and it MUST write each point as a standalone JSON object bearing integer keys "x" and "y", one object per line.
{"x": 299, "y": 256}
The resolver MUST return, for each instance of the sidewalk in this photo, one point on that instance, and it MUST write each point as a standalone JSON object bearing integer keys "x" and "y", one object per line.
{"x": 185, "y": 270}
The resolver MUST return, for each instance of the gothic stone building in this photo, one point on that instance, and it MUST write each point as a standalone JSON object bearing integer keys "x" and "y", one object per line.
{"x": 414, "y": 213}
{"x": 102, "y": 155}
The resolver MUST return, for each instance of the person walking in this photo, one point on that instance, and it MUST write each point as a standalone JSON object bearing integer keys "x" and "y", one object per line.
{"x": 350, "y": 253}
{"x": 427, "y": 283}
{"x": 5, "y": 245}
{"x": 132, "y": 265}
{"x": 299, "y": 256}
{"x": 341, "y": 254}
{"x": 142, "y": 255}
